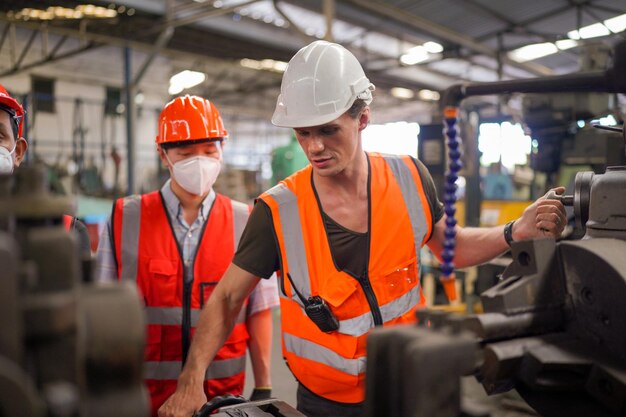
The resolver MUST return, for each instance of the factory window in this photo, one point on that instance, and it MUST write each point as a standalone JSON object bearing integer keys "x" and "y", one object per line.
{"x": 112, "y": 104}
{"x": 504, "y": 142}
{"x": 43, "y": 94}
{"x": 398, "y": 138}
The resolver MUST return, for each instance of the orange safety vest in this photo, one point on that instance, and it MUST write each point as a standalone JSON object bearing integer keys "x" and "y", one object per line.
{"x": 148, "y": 254}
{"x": 332, "y": 365}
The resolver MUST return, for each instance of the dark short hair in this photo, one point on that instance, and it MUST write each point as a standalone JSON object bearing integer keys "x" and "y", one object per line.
{"x": 15, "y": 121}
{"x": 171, "y": 145}
{"x": 355, "y": 109}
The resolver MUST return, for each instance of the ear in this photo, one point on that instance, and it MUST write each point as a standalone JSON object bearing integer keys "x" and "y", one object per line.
{"x": 21, "y": 146}
{"x": 364, "y": 118}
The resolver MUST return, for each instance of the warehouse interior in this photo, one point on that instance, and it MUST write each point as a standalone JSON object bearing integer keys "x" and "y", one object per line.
{"x": 530, "y": 80}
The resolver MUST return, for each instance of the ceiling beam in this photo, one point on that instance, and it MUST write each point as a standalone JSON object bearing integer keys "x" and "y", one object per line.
{"x": 536, "y": 19}
{"x": 52, "y": 57}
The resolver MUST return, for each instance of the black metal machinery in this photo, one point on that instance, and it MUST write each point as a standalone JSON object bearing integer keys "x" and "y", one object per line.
{"x": 237, "y": 406}
{"x": 68, "y": 347}
{"x": 553, "y": 328}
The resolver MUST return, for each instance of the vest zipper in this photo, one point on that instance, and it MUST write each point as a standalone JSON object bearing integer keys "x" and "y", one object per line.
{"x": 371, "y": 300}
{"x": 186, "y": 325}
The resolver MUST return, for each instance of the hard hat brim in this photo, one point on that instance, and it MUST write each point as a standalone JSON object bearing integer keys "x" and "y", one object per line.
{"x": 297, "y": 122}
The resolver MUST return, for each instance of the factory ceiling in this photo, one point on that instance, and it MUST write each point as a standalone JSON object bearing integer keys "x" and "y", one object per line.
{"x": 410, "y": 49}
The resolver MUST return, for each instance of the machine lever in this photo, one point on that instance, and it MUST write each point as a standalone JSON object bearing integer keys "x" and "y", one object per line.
{"x": 567, "y": 200}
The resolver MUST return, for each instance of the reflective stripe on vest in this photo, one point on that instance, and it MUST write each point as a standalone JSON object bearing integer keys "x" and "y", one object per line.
{"x": 130, "y": 237}
{"x": 411, "y": 198}
{"x": 173, "y": 316}
{"x": 358, "y": 326}
{"x": 241, "y": 212}
{"x": 224, "y": 368}
{"x": 312, "y": 351}
{"x": 294, "y": 242}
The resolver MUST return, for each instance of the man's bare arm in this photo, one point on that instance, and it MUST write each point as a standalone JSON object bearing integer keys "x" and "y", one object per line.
{"x": 215, "y": 325}
{"x": 476, "y": 245}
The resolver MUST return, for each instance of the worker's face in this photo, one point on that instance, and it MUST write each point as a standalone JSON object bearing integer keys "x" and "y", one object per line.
{"x": 8, "y": 141}
{"x": 193, "y": 167}
{"x": 332, "y": 147}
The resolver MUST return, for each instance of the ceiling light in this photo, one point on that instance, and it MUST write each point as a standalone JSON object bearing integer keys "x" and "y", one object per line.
{"x": 88, "y": 9}
{"x": 428, "y": 95}
{"x": 185, "y": 79}
{"x": 403, "y": 93}
{"x": 250, "y": 63}
{"x": 218, "y": 4}
{"x": 139, "y": 98}
{"x": 566, "y": 44}
{"x": 591, "y": 31}
{"x": 616, "y": 24}
{"x": 59, "y": 12}
{"x": 433, "y": 47}
{"x": 280, "y": 66}
{"x": 534, "y": 51}
{"x": 100, "y": 12}
{"x": 415, "y": 56}
{"x": 266, "y": 64}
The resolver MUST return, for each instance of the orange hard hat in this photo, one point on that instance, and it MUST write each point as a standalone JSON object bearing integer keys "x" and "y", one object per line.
{"x": 14, "y": 108}
{"x": 190, "y": 118}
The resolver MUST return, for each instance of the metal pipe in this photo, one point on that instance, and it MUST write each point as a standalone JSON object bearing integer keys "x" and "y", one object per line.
{"x": 130, "y": 128}
{"x": 329, "y": 14}
{"x": 496, "y": 326}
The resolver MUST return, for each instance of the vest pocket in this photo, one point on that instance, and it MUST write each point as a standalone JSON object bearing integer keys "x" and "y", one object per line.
{"x": 164, "y": 282}
{"x": 343, "y": 296}
{"x": 397, "y": 282}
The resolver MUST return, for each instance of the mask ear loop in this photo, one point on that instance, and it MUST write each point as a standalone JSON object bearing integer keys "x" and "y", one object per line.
{"x": 14, "y": 148}
{"x": 167, "y": 157}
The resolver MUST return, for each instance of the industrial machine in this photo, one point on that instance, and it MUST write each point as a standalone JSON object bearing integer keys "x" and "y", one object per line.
{"x": 67, "y": 346}
{"x": 553, "y": 328}
{"x": 237, "y": 406}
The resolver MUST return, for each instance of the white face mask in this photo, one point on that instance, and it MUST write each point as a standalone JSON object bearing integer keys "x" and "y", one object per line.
{"x": 6, "y": 160}
{"x": 196, "y": 174}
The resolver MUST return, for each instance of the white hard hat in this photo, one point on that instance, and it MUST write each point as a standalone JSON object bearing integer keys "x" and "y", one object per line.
{"x": 321, "y": 83}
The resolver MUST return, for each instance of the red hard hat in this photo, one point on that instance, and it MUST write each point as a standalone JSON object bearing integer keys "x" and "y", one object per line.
{"x": 7, "y": 101}
{"x": 190, "y": 118}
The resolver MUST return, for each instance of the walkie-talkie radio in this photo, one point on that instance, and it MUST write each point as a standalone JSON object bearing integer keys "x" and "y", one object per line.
{"x": 318, "y": 311}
